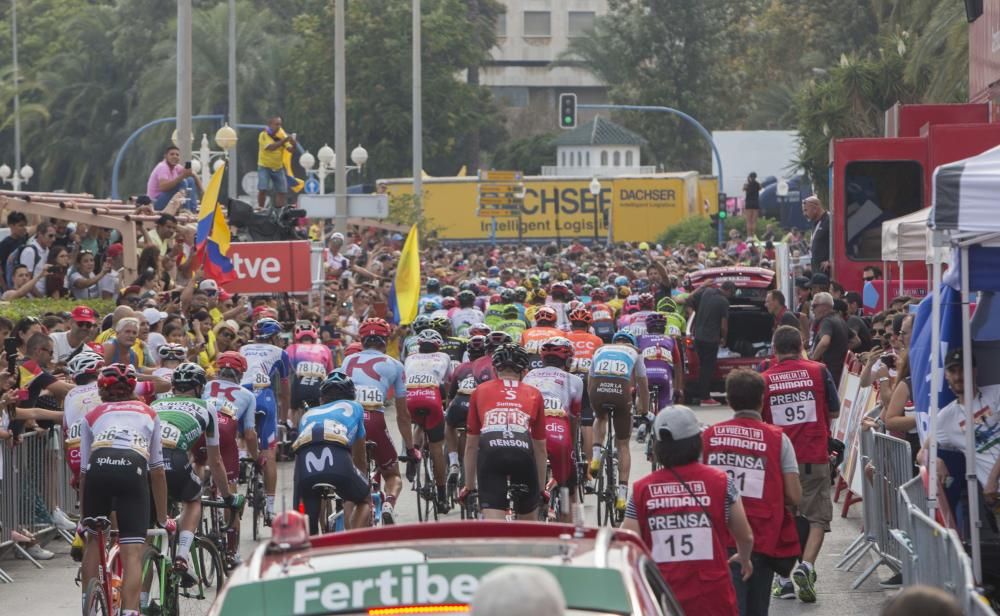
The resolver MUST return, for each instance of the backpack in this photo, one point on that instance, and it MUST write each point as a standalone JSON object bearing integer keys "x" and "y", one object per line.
{"x": 15, "y": 259}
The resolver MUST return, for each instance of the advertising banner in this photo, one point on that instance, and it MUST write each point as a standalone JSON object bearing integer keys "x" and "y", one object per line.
{"x": 270, "y": 267}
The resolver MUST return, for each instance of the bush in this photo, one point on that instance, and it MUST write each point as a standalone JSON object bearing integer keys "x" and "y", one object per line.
{"x": 697, "y": 230}
{"x": 19, "y": 308}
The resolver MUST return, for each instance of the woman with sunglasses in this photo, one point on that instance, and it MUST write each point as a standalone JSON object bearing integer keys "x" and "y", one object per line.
{"x": 82, "y": 280}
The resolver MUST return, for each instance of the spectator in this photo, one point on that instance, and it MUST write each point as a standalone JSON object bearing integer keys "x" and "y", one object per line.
{"x": 775, "y": 304}
{"x": 922, "y": 601}
{"x": 803, "y": 295}
{"x": 529, "y": 591}
{"x": 168, "y": 177}
{"x": 154, "y": 319}
{"x": 162, "y": 236}
{"x": 819, "y": 283}
{"x": 752, "y": 203}
{"x": 6, "y": 326}
{"x": 26, "y": 328}
{"x": 854, "y": 308}
{"x": 110, "y": 285}
{"x": 18, "y": 225}
{"x": 812, "y": 209}
{"x": 43, "y": 390}
{"x": 55, "y": 279}
{"x": 711, "y": 324}
{"x": 860, "y": 333}
{"x": 120, "y": 348}
{"x": 871, "y": 273}
{"x": 830, "y": 335}
{"x": 837, "y": 290}
{"x": 83, "y": 329}
{"x": 83, "y": 281}
{"x": 24, "y": 284}
{"x": 35, "y": 254}
{"x": 272, "y": 143}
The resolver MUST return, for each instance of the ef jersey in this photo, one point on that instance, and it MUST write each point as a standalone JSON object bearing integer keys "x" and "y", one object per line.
{"x": 375, "y": 376}
{"x": 341, "y": 423}
{"x": 266, "y": 365}
{"x": 310, "y": 364}
{"x": 183, "y": 420}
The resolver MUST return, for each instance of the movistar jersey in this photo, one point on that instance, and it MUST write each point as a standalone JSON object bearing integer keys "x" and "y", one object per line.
{"x": 341, "y": 423}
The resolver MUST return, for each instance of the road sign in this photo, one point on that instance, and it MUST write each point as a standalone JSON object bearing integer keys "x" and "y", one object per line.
{"x": 501, "y": 202}
{"x": 312, "y": 186}
{"x": 487, "y": 212}
{"x": 358, "y": 206}
{"x": 500, "y": 176}
{"x": 501, "y": 189}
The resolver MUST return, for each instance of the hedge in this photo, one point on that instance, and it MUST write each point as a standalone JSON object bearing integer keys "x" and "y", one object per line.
{"x": 37, "y": 307}
{"x": 697, "y": 230}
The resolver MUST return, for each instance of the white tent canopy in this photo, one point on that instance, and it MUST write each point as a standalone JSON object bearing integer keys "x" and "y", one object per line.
{"x": 907, "y": 238}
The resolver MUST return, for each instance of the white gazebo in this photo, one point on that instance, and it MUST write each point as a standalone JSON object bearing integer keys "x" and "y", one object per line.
{"x": 599, "y": 148}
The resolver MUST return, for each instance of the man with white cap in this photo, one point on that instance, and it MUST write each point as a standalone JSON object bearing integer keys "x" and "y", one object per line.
{"x": 681, "y": 510}
{"x": 154, "y": 317}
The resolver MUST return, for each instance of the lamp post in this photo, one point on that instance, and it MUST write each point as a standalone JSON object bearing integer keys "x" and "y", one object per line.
{"x": 15, "y": 177}
{"x": 328, "y": 164}
{"x": 17, "y": 101}
{"x": 201, "y": 159}
{"x": 595, "y": 190}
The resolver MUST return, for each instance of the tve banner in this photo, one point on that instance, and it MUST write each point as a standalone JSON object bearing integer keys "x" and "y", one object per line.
{"x": 270, "y": 267}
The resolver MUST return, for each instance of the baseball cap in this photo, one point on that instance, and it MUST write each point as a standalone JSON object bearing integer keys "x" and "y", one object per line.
{"x": 227, "y": 324}
{"x": 153, "y": 316}
{"x": 801, "y": 282}
{"x": 819, "y": 280}
{"x": 84, "y": 314}
{"x": 679, "y": 421}
{"x": 208, "y": 285}
{"x": 224, "y": 295}
{"x": 115, "y": 250}
{"x": 956, "y": 357}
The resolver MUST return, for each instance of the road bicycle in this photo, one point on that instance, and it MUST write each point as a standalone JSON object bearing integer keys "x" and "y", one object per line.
{"x": 455, "y": 483}
{"x": 102, "y": 596}
{"x": 607, "y": 477}
{"x": 516, "y": 492}
{"x": 250, "y": 473}
{"x": 375, "y": 482}
{"x": 221, "y": 533}
{"x": 166, "y": 593}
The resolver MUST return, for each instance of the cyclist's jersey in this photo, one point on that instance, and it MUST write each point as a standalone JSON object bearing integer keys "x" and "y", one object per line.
{"x": 462, "y": 318}
{"x": 78, "y": 402}
{"x": 636, "y": 322}
{"x": 660, "y": 354}
{"x": 482, "y": 369}
{"x": 454, "y": 348}
{"x": 532, "y": 339}
{"x": 562, "y": 321}
{"x": 310, "y": 363}
{"x": 183, "y": 420}
{"x": 562, "y": 392}
{"x": 228, "y": 398}
{"x": 166, "y": 374}
{"x": 506, "y": 415}
{"x": 584, "y": 346}
{"x": 410, "y": 346}
{"x": 128, "y": 425}
{"x": 616, "y": 361}
{"x": 615, "y": 304}
{"x": 427, "y": 370}
{"x": 266, "y": 364}
{"x": 375, "y": 376}
{"x": 341, "y": 422}
{"x": 676, "y": 324}
{"x": 463, "y": 380}
{"x": 427, "y": 298}
{"x": 494, "y": 315}
{"x": 514, "y": 327}
{"x": 603, "y": 321}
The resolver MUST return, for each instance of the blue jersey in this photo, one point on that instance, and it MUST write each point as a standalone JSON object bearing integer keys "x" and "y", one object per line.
{"x": 266, "y": 365}
{"x": 230, "y": 398}
{"x": 375, "y": 375}
{"x": 427, "y": 298}
{"x": 616, "y": 361}
{"x": 341, "y": 423}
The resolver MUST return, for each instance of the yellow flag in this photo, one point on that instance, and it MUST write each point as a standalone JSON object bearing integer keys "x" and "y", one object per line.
{"x": 405, "y": 292}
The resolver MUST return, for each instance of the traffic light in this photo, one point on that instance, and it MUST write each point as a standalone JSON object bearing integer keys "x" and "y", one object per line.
{"x": 567, "y": 110}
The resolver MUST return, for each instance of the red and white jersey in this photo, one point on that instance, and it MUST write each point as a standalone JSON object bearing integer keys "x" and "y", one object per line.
{"x": 562, "y": 392}
{"x": 129, "y": 425}
{"x": 427, "y": 370}
{"x": 79, "y": 401}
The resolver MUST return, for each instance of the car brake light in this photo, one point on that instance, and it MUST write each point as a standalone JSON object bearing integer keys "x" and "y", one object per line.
{"x": 455, "y": 608}
{"x": 689, "y": 342}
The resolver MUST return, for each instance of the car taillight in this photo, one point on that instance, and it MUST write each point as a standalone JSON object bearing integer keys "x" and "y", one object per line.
{"x": 689, "y": 342}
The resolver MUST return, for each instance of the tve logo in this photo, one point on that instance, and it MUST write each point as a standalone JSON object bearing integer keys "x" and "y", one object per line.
{"x": 270, "y": 267}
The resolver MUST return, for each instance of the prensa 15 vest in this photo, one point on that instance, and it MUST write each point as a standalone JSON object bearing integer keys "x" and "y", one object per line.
{"x": 795, "y": 400}
{"x": 749, "y": 451}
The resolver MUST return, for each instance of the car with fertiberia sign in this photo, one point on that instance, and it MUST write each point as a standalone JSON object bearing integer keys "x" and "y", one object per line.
{"x": 436, "y": 569}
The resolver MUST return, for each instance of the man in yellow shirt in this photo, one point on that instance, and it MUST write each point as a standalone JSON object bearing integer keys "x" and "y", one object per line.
{"x": 272, "y": 142}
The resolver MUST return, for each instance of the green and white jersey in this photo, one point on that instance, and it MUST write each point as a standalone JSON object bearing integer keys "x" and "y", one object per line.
{"x": 183, "y": 420}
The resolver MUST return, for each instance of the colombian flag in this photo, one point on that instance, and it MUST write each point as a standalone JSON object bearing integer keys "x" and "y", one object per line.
{"x": 213, "y": 236}
{"x": 405, "y": 291}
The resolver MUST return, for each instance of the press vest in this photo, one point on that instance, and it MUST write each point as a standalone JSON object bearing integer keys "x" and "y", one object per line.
{"x": 795, "y": 400}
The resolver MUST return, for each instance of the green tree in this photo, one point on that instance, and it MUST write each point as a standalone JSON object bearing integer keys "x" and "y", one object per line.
{"x": 527, "y": 155}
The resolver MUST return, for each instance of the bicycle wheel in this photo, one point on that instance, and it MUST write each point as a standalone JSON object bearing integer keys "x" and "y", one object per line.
{"x": 255, "y": 495}
{"x": 156, "y": 585}
{"x": 609, "y": 471}
{"x": 418, "y": 489}
{"x": 207, "y": 571}
{"x": 95, "y": 601}
{"x": 599, "y": 491}
{"x": 430, "y": 502}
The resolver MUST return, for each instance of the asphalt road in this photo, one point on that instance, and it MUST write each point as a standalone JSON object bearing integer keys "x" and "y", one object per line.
{"x": 51, "y": 591}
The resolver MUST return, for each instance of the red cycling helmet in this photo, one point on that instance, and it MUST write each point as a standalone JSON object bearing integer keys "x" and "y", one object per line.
{"x": 117, "y": 374}
{"x": 305, "y": 329}
{"x": 646, "y": 301}
{"x": 545, "y": 314}
{"x": 231, "y": 360}
{"x": 374, "y": 327}
{"x": 580, "y": 315}
{"x": 449, "y": 302}
{"x": 557, "y": 346}
{"x": 351, "y": 349}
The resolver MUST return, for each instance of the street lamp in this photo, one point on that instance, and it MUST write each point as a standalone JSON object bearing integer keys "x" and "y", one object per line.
{"x": 595, "y": 188}
{"x": 15, "y": 178}
{"x": 201, "y": 160}
{"x": 328, "y": 163}
{"x": 595, "y": 191}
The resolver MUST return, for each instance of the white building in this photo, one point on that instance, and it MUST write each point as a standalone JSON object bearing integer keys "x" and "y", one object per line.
{"x": 531, "y": 36}
{"x": 599, "y": 148}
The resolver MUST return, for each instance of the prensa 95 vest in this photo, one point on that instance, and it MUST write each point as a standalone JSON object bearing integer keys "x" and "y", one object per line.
{"x": 795, "y": 400}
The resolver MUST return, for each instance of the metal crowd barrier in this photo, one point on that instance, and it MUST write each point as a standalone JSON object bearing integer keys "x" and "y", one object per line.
{"x": 34, "y": 479}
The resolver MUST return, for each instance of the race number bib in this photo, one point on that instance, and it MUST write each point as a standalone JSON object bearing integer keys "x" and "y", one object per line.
{"x": 582, "y": 364}
{"x": 261, "y": 381}
{"x": 601, "y": 315}
{"x": 467, "y": 385}
{"x": 682, "y": 544}
{"x": 369, "y": 397}
{"x": 749, "y": 481}
{"x": 73, "y": 434}
{"x": 553, "y": 406}
{"x": 657, "y": 353}
{"x": 310, "y": 372}
{"x": 611, "y": 367}
{"x": 420, "y": 380}
{"x": 169, "y": 435}
{"x": 794, "y": 413}
{"x": 334, "y": 431}
{"x": 531, "y": 347}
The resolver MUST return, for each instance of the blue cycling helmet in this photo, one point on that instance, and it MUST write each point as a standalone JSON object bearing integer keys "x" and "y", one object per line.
{"x": 493, "y": 271}
{"x": 432, "y": 305}
{"x": 623, "y": 335}
{"x": 266, "y": 328}
{"x": 621, "y": 281}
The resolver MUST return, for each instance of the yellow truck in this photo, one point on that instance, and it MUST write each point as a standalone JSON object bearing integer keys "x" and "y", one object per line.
{"x": 639, "y": 208}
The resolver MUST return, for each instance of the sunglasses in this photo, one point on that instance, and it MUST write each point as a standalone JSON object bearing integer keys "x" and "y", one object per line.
{"x": 868, "y": 278}
{"x": 84, "y": 325}
{"x": 210, "y": 292}
{"x": 226, "y": 334}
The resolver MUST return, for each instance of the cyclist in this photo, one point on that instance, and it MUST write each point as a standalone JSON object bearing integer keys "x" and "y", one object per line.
{"x": 311, "y": 362}
{"x": 419, "y": 324}
{"x": 184, "y": 418}
{"x": 533, "y": 337}
{"x": 621, "y": 293}
{"x": 463, "y": 382}
{"x": 559, "y": 295}
{"x": 427, "y": 373}
{"x": 268, "y": 369}
{"x": 171, "y": 355}
{"x": 330, "y": 449}
{"x": 120, "y": 444}
{"x": 563, "y": 394}
{"x": 512, "y": 322}
{"x": 482, "y": 368}
{"x": 433, "y": 286}
{"x": 602, "y": 316}
{"x": 585, "y": 344}
{"x": 637, "y": 323}
{"x": 660, "y": 354}
{"x": 467, "y": 313}
{"x": 451, "y": 346}
{"x": 375, "y": 376}
{"x": 676, "y": 322}
{"x": 616, "y": 377}
{"x": 506, "y": 438}
{"x": 83, "y": 368}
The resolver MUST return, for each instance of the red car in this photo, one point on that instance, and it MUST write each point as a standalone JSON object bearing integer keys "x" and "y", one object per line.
{"x": 750, "y": 324}
{"x": 436, "y": 568}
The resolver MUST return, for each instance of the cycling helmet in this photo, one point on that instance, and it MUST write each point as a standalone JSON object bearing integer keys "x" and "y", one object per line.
{"x": 494, "y": 298}
{"x": 557, "y": 346}
{"x": 448, "y": 303}
{"x": 493, "y": 271}
{"x": 492, "y": 284}
{"x": 621, "y": 281}
{"x": 337, "y": 386}
{"x": 374, "y": 327}
{"x": 188, "y": 376}
{"x": 624, "y": 336}
{"x": 449, "y": 291}
{"x": 420, "y": 323}
{"x": 545, "y": 314}
{"x": 476, "y": 347}
{"x": 580, "y": 315}
{"x": 520, "y": 294}
{"x": 572, "y": 305}
{"x": 466, "y": 298}
{"x": 579, "y": 278}
{"x": 656, "y": 322}
{"x": 558, "y": 290}
{"x": 510, "y": 356}
{"x": 467, "y": 285}
{"x": 641, "y": 284}
{"x": 544, "y": 278}
{"x": 598, "y": 295}
{"x": 507, "y": 295}
{"x": 84, "y": 363}
{"x": 593, "y": 281}
{"x": 667, "y": 304}
{"x": 351, "y": 349}
{"x": 431, "y": 305}
{"x": 539, "y": 296}
{"x": 430, "y": 337}
{"x": 231, "y": 360}
{"x": 510, "y": 311}
{"x": 479, "y": 329}
{"x": 624, "y": 292}
{"x": 172, "y": 352}
{"x": 117, "y": 375}
{"x": 442, "y": 325}
{"x": 646, "y": 301}
{"x": 610, "y": 290}
{"x": 266, "y": 328}
{"x": 586, "y": 289}
{"x": 433, "y": 285}
{"x": 499, "y": 338}
{"x": 305, "y": 329}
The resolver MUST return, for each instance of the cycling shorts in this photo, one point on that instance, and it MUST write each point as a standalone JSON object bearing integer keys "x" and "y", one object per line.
{"x": 118, "y": 480}
{"x": 495, "y": 465}
{"x": 326, "y": 463}
{"x": 424, "y": 404}
{"x": 615, "y": 396}
{"x": 661, "y": 378}
{"x": 267, "y": 425}
{"x": 458, "y": 411}
{"x": 376, "y": 431}
{"x": 559, "y": 446}
{"x": 228, "y": 447}
{"x": 183, "y": 484}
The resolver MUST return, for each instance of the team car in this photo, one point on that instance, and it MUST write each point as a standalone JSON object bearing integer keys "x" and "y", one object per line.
{"x": 436, "y": 568}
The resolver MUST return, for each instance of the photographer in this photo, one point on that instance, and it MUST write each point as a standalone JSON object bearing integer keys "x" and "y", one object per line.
{"x": 24, "y": 283}
{"x": 83, "y": 282}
